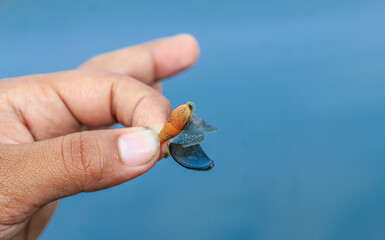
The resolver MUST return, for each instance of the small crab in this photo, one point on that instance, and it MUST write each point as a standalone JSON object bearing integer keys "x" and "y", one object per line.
{"x": 186, "y": 130}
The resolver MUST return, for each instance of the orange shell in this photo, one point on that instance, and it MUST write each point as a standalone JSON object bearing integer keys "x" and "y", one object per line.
{"x": 175, "y": 124}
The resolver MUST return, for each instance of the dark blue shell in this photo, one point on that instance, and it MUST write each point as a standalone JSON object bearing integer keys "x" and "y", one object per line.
{"x": 191, "y": 157}
{"x": 185, "y": 148}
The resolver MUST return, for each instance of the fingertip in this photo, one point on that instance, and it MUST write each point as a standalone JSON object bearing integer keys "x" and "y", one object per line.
{"x": 139, "y": 147}
{"x": 157, "y": 86}
{"x": 153, "y": 110}
{"x": 175, "y": 54}
{"x": 190, "y": 45}
{"x": 164, "y": 151}
{"x": 157, "y": 127}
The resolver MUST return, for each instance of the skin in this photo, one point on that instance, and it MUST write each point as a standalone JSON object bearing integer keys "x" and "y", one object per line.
{"x": 42, "y": 116}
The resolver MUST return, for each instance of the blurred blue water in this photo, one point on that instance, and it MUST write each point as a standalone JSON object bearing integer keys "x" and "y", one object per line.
{"x": 295, "y": 87}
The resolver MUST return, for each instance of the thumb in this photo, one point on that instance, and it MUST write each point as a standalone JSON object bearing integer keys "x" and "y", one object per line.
{"x": 32, "y": 175}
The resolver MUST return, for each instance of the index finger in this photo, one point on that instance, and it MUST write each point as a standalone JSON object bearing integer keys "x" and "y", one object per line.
{"x": 56, "y": 104}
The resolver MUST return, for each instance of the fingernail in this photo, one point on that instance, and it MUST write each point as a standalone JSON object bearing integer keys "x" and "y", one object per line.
{"x": 157, "y": 127}
{"x": 138, "y": 148}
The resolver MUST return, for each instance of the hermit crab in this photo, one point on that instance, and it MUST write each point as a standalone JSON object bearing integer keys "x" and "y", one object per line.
{"x": 186, "y": 129}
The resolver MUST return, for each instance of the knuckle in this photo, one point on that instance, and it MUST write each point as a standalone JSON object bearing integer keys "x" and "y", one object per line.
{"x": 82, "y": 159}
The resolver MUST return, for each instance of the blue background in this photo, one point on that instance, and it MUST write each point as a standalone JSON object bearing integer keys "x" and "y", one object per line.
{"x": 297, "y": 89}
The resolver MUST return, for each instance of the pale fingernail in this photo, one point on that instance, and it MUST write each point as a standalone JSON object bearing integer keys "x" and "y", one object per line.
{"x": 157, "y": 127}
{"x": 138, "y": 148}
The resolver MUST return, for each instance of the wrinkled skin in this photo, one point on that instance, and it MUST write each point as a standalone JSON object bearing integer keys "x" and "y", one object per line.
{"x": 38, "y": 112}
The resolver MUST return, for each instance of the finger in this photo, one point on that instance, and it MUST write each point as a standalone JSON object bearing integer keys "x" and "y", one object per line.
{"x": 157, "y": 86}
{"x": 150, "y": 61}
{"x": 35, "y": 174}
{"x": 60, "y": 103}
{"x": 44, "y": 108}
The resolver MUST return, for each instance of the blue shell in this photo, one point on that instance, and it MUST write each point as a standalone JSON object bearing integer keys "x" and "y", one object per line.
{"x": 191, "y": 157}
{"x": 185, "y": 148}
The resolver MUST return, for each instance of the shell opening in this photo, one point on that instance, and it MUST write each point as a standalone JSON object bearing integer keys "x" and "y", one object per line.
{"x": 191, "y": 106}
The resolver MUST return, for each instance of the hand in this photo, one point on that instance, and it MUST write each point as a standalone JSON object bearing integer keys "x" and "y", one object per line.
{"x": 44, "y": 155}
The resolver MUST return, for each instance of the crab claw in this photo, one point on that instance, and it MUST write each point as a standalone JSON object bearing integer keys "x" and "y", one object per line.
{"x": 191, "y": 157}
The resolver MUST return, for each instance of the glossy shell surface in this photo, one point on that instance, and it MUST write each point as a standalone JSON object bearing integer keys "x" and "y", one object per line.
{"x": 185, "y": 147}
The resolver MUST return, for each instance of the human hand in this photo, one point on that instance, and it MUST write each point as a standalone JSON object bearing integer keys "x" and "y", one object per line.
{"x": 44, "y": 153}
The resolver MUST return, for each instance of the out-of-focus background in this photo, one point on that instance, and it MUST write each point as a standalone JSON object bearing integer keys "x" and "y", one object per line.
{"x": 297, "y": 89}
